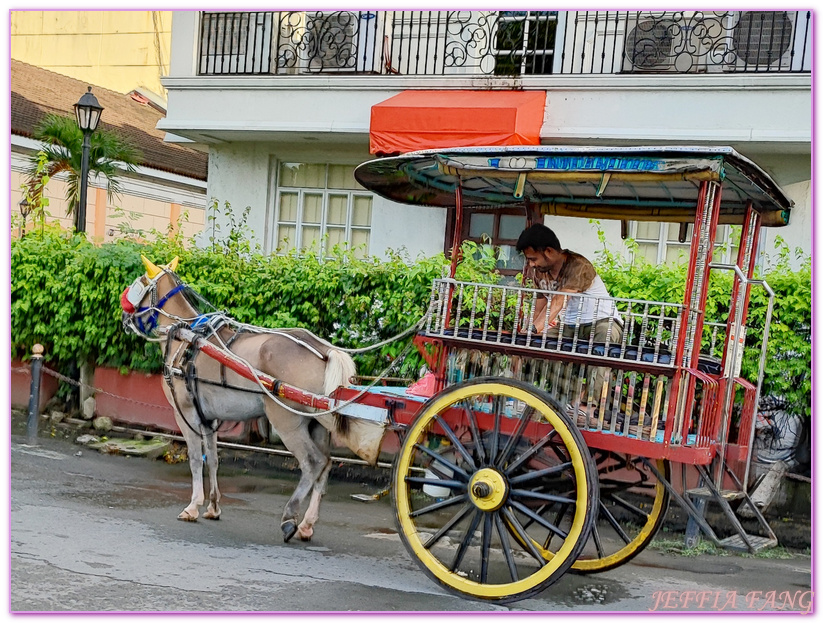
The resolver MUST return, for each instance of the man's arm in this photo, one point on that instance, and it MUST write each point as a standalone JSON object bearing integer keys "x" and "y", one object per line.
{"x": 557, "y": 304}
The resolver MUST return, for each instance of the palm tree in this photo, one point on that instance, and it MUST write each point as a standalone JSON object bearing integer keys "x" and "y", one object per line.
{"x": 64, "y": 151}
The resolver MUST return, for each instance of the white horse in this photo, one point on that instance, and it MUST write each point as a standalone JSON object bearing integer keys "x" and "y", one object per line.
{"x": 203, "y": 392}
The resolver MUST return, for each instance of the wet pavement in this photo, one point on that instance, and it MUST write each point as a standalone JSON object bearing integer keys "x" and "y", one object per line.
{"x": 96, "y": 532}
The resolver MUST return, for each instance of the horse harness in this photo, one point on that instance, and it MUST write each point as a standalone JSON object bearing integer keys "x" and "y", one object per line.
{"x": 182, "y": 364}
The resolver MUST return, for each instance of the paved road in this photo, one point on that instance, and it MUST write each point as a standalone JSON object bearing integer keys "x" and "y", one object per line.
{"x": 93, "y": 532}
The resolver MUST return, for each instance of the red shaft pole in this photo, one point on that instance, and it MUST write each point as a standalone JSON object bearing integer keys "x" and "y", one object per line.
{"x": 279, "y": 388}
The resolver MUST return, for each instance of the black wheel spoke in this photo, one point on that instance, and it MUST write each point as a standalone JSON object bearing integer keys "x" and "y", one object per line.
{"x": 485, "y": 548}
{"x": 531, "y": 452}
{"x": 438, "y": 505}
{"x": 537, "y": 518}
{"x": 523, "y": 536}
{"x": 630, "y": 507}
{"x": 549, "y": 471}
{"x": 536, "y": 495}
{"x": 518, "y": 434}
{"x": 497, "y": 402}
{"x": 481, "y": 453}
{"x": 449, "y": 484}
{"x": 597, "y": 542}
{"x": 625, "y": 486}
{"x": 558, "y": 519}
{"x": 614, "y": 523}
{"x": 464, "y": 544}
{"x": 443, "y": 461}
{"x": 437, "y": 473}
{"x": 456, "y": 443}
{"x": 558, "y": 453}
{"x": 504, "y": 542}
{"x": 449, "y": 525}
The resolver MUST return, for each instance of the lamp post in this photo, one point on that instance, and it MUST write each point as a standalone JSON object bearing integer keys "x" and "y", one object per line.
{"x": 25, "y": 208}
{"x": 87, "y": 111}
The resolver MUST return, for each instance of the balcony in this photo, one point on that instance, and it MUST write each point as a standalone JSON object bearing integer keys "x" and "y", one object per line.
{"x": 503, "y": 43}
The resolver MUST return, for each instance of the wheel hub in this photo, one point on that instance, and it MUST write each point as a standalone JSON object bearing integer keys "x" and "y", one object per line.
{"x": 488, "y": 489}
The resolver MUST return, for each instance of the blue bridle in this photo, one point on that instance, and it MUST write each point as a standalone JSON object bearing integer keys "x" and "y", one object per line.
{"x": 151, "y": 324}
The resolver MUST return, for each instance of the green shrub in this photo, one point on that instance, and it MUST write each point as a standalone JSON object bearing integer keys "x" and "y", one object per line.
{"x": 66, "y": 295}
{"x": 788, "y": 358}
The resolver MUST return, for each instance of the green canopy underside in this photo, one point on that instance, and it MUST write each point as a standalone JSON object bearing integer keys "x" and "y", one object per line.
{"x": 638, "y": 183}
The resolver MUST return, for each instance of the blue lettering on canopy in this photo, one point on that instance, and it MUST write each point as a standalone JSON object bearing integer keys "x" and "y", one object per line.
{"x": 588, "y": 163}
{"x": 597, "y": 163}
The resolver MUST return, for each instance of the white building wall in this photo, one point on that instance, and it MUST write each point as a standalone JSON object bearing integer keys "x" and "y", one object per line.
{"x": 798, "y": 233}
{"x": 418, "y": 230}
{"x": 581, "y": 235}
{"x": 326, "y": 118}
{"x": 238, "y": 174}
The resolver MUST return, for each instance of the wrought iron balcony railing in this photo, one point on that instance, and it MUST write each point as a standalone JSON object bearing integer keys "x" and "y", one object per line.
{"x": 503, "y": 43}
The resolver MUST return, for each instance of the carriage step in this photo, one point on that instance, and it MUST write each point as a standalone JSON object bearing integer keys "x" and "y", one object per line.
{"x": 736, "y": 542}
{"x": 706, "y": 493}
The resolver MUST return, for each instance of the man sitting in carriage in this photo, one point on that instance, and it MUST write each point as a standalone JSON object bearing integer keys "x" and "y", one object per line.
{"x": 564, "y": 271}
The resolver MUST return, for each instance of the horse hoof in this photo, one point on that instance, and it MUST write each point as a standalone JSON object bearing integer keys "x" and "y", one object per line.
{"x": 289, "y": 528}
{"x": 305, "y": 534}
{"x": 187, "y": 516}
{"x": 210, "y": 515}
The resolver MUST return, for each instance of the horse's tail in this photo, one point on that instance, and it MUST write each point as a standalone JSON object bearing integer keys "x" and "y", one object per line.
{"x": 340, "y": 369}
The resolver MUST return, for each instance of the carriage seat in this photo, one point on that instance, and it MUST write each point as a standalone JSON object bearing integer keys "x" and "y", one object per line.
{"x": 706, "y": 364}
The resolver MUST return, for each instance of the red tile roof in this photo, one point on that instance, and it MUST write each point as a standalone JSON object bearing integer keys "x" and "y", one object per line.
{"x": 36, "y": 92}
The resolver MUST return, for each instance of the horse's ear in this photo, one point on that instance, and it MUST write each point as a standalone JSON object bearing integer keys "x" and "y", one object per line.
{"x": 151, "y": 269}
{"x": 173, "y": 264}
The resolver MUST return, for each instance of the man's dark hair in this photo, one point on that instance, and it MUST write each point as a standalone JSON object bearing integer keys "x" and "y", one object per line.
{"x": 538, "y": 237}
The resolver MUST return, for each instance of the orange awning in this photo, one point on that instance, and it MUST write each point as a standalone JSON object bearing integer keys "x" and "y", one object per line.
{"x": 416, "y": 120}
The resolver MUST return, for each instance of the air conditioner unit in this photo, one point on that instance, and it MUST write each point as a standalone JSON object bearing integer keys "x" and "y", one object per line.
{"x": 236, "y": 43}
{"x": 769, "y": 41}
{"x": 670, "y": 43}
{"x": 344, "y": 42}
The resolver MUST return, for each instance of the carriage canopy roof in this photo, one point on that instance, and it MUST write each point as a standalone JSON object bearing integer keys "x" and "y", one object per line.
{"x": 625, "y": 183}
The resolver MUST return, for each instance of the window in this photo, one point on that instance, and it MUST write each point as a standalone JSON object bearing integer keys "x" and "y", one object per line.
{"x": 659, "y": 242}
{"x": 499, "y": 229}
{"x": 320, "y": 206}
{"x": 524, "y": 42}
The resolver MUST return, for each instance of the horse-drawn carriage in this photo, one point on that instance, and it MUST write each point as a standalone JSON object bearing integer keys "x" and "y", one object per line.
{"x": 538, "y": 452}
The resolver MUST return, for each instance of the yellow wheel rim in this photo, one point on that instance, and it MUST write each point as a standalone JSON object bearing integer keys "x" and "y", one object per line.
{"x": 637, "y": 544}
{"x": 402, "y": 492}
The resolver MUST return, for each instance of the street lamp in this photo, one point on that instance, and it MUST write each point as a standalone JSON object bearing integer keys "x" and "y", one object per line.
{"x": 87, "y": 111}
{"x": 25, "y": 208}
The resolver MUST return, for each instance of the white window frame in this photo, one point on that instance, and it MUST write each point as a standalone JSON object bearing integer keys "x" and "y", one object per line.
{"x": 325, "y": 192}
{"x": 662, "y": 241}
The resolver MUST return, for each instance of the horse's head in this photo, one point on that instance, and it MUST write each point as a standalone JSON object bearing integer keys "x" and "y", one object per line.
{"x": 143, "y": 301}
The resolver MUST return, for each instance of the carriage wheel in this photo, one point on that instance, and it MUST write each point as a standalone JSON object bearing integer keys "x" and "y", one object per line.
{"x": 631, "y": 509}
{"x": 633, "y": 504}
{"x": 477, "y": 464}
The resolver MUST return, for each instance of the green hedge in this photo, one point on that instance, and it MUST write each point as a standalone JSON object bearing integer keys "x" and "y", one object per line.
{"x": 65, "y": 295}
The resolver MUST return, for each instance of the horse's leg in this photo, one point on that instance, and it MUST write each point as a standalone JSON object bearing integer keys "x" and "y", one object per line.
{"x": 210, "y": 445}
{"x": 194, "y": 448}
{"x": 311, "y": 462}
{"x": 321, "y": 438}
